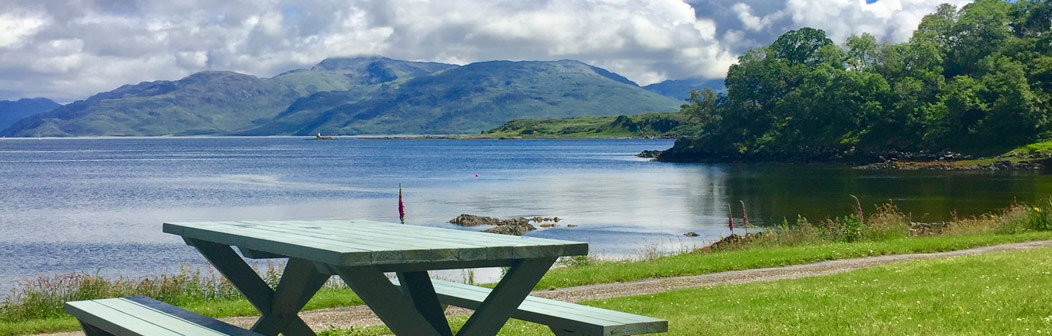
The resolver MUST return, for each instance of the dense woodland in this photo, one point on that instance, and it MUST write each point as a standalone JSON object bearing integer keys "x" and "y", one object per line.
{"x": 976, "y": 80}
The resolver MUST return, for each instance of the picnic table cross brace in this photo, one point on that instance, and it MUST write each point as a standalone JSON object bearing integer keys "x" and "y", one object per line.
{"x": 278, "y": 307}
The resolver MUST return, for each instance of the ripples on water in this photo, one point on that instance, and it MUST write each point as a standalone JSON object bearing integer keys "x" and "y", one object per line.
{"x": 96, "y": 205}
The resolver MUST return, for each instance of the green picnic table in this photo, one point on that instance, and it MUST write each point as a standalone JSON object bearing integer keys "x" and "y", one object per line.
{"x": 360, "y": 252}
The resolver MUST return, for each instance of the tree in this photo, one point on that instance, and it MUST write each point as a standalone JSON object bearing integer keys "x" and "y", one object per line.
{"x": 863, "y": 52}
{"x": 1010, "y": 118}
{"x": 702, "y": 107}
{"x": 982, "y": 29}
{"x": 800, "y": 46}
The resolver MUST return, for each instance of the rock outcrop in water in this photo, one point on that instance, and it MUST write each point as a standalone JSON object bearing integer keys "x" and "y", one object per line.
{"x": 472, "y": 220}
{"x": 511, "y": 226}
{"x": 516, "y": 230}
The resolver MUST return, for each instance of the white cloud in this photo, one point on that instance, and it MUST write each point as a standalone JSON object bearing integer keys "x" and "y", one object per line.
{"x": 16, "y": 27}
{"x": 888, "y": 20}
{"x": 69, "y": 50}
{"x": 750, "y": 21}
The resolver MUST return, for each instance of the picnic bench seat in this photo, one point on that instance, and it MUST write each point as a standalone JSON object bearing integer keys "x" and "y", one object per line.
{"x": 563, "y": 318}
{"x": 140, "y": 315}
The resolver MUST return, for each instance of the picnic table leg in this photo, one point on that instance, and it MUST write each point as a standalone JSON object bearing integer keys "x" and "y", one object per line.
{"x": 387, "y": 301}
{"x": 250, "y": 284}
{"x": 506, "y": 297}
{"x": 298, "y": 284}
{"x": 563, "y": 332}
{"x": 419, "y": 290}
{"x": 90, "y": 330}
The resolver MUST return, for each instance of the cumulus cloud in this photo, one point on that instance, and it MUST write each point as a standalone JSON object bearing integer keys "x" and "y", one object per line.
{"x": 749, "y": 23}
{"x": 68, "y": 50}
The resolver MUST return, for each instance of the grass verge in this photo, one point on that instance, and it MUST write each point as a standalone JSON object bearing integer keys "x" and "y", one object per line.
{"x": 702, "y": 263}
{"x": 1001, "y": 293}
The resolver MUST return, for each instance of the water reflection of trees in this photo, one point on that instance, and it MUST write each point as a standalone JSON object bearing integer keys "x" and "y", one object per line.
{"x": 774, "y": 192}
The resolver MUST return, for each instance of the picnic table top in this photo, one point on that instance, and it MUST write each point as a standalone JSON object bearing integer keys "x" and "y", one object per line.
{"x": 362, "y": 242}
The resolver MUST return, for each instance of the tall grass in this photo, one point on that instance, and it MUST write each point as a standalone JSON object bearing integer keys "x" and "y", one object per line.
{"x": 888, "y": 222}
{"x": 43, "y": 297}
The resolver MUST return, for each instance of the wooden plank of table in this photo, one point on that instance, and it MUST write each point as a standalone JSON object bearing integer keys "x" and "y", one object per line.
{"x": 162, "y": 319}
{"x": 358, "y": 243}
{"x": 106, "y": 317}
{"x": 558, "y": 314}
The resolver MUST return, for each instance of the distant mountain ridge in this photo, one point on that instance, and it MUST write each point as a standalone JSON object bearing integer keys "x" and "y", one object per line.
{"x": 358, "y": 95}
{"x": 470, "y": 99}
{"x": 13, "y": 111}
{"x": 680, "y": 88}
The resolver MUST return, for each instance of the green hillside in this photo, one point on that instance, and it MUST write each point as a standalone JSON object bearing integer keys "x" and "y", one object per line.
{"x": 471, "y": 99}
{"x": 210, "y": 103}
{"x": 655, "y": 125}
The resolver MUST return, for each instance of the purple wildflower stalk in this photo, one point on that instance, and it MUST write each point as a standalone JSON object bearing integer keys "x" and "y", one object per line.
{"x": 730, "y": 218}
{"x": 858, "y": 209}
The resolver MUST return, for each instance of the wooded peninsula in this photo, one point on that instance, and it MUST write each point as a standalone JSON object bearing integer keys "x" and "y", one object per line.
{"x": 975, "y": 80}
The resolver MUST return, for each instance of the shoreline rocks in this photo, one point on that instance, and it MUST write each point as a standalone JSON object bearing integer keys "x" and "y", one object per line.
{"x": 1000, "y": 165}
{"x": 515, "y": 230}
{"x": 649, "y": 154}
{"x": 511, "y": 226}
{"x": 891, "y": 160}
{"x": 472, "y": 220}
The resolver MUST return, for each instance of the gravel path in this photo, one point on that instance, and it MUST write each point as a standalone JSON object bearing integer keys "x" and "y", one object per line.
{"x": 359, "y": 316}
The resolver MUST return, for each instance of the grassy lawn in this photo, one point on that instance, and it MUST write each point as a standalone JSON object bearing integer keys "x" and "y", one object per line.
{"x": 999, "y": 293}
{"x": 1002, "y": 293}
{"x": 702, "y": 263}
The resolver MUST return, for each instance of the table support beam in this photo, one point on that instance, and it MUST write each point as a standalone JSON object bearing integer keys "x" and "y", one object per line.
{"x": 506, "y": 297}
{"x": 418, "y": 289}
{"x": 252, "y": 286}
{"x": 387, "y": 301}
{"x": 298, "y": 284}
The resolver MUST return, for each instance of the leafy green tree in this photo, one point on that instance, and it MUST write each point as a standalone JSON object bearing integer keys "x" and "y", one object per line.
{"x": 982, "y": 29}
{"x": 863, "y": 52}
{"x": 1010, "y": 119}
{"x": 801, "y": 46}
{"x": 953, "y": 118}
{"x": 702, "y": 107}
{"x": 937, "y": 28}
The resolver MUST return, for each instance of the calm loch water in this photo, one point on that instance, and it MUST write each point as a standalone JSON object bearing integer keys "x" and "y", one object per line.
{"x": 96, "y": 205}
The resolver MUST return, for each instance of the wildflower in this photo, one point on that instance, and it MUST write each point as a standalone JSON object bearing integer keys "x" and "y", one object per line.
{"x": 730, "y": 218}
{"x": 1037, "y": 209}
{"x": 401, "y": 206}
{"x": 745, "y": 216}
{"x": 858, "y": 209}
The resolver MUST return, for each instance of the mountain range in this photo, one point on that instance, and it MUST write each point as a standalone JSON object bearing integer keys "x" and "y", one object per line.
{"x": 13, "y": 111}
{"x": 348, "y": 96}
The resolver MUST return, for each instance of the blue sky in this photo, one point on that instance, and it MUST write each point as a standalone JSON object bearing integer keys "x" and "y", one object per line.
{"x": 68, "y": 50}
